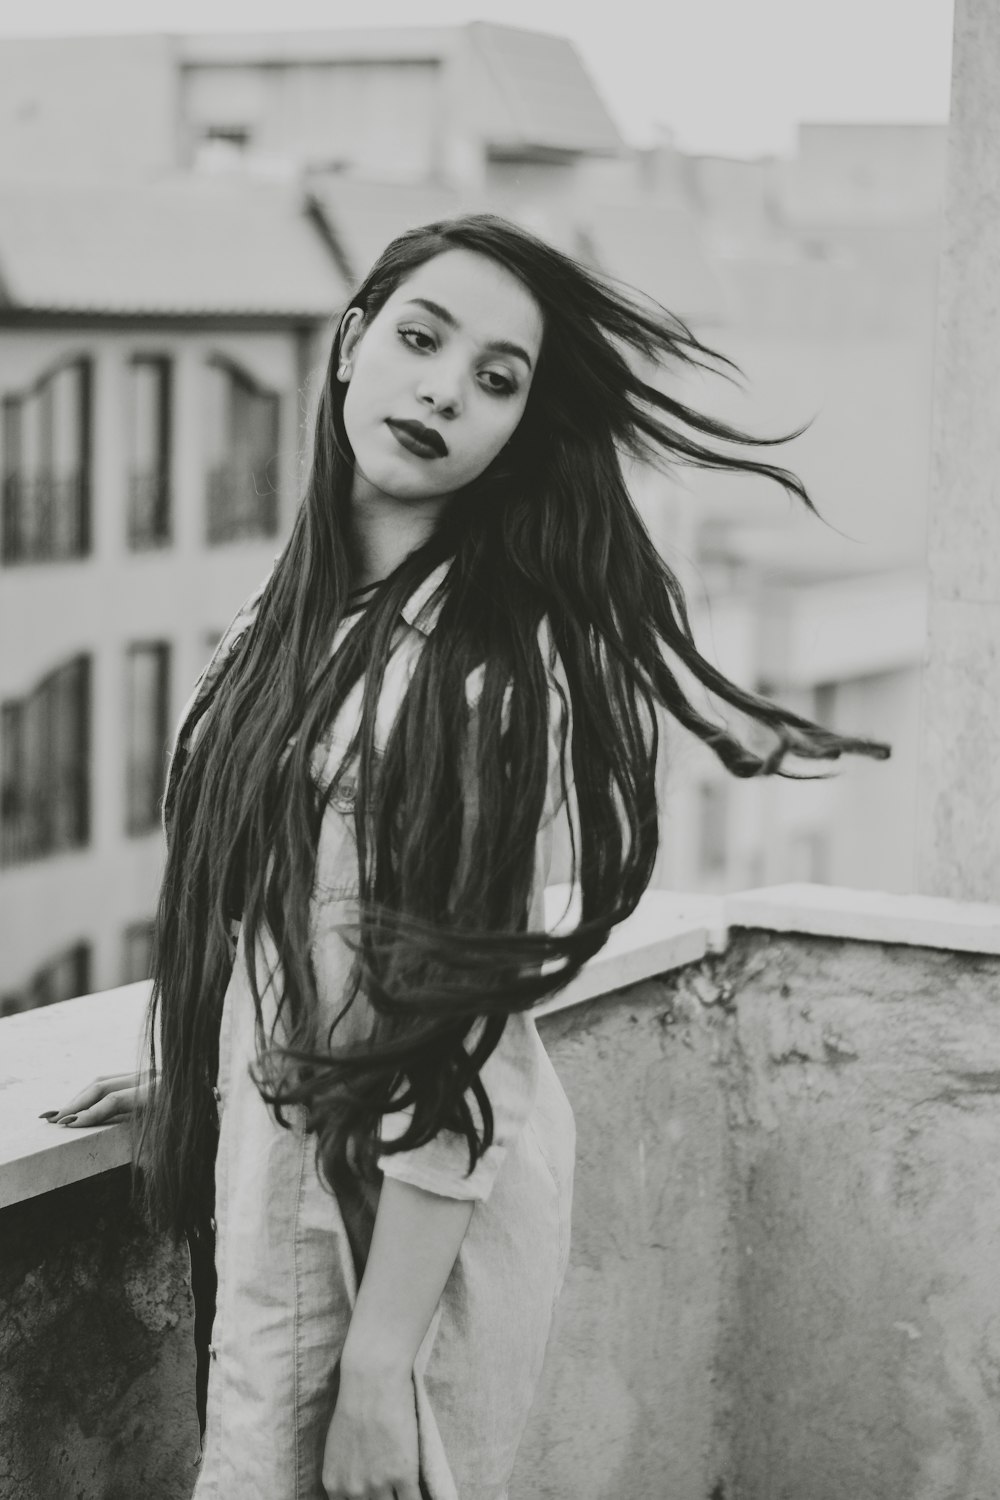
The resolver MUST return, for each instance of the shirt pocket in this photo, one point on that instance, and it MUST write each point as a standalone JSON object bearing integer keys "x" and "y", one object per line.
{"x": 337, "y": 847}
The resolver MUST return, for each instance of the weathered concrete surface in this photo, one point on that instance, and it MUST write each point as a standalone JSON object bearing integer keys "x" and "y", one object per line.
{"x": 862, "y": 1359}
{"x": 628, "y": 1393}
{"x": 959, "y": 777}
{"x": 782, "y": 1283}
{"x": 96, "y": 1351}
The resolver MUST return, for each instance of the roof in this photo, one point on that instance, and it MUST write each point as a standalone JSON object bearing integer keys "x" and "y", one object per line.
{"x": 327, "y": 45}
{"x": 177, "y": 247}
{"x": 537, "y": 93}
{"x": 361, "y": 216}
{"x": 523, "y": 90}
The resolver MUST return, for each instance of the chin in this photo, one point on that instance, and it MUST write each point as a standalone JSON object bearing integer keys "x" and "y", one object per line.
{"x": 397, "y": 482}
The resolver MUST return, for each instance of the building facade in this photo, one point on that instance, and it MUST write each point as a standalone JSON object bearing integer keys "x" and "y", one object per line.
{"x": 171, "y": 257}
{"x": 151, "y": 460}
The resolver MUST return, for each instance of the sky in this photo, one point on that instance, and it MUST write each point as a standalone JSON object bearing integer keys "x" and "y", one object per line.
{"x": 727, "y": 77}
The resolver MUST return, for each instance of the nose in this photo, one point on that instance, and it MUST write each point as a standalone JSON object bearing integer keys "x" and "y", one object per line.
{"x": 440, "y": 389}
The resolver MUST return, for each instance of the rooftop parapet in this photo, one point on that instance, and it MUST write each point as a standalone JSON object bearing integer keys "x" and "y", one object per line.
{"x": 782, "y": 1278}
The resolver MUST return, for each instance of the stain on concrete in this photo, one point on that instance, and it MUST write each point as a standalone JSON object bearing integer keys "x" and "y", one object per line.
{"x": 96, "y": 1351}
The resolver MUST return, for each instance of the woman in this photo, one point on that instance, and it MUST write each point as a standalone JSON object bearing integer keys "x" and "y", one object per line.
{"x": 456, "y": 662}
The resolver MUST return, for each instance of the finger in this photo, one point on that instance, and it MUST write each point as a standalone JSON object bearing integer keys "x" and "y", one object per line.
{"x": 408, "y": 1491}
{"x": 114, "y": 1106}
{"x": 99, "y": 1089}
{"x": 94, "y": 1091}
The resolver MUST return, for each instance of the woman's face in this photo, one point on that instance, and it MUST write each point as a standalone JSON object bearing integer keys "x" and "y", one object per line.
{"x": 453, "y": 350}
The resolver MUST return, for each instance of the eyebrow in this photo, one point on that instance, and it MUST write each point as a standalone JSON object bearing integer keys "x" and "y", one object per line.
{"x": 502, "y": 346}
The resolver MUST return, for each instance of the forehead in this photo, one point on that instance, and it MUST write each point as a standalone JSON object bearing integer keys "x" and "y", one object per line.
{"x": 487, "y": 300}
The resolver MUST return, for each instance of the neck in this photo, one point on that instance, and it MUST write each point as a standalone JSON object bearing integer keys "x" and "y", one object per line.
{"x": 385, "y": 531}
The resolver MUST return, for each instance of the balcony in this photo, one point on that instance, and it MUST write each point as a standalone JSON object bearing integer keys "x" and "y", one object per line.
{"x": 238, "y": 507}
{"x": 783, "y": 1276}
{"x": 45, "y": 519}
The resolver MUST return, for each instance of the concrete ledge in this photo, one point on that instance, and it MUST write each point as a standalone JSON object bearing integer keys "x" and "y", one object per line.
{"x": 49, "y": 1055}
{"x": 666, "y": 931}
{"x": 869, "y": 916}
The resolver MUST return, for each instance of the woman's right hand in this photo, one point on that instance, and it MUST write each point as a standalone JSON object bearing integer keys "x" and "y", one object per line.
{"x": 106, "y": 1101}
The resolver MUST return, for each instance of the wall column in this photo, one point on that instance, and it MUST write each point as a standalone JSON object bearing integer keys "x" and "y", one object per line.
{"x": 958, "y": 792}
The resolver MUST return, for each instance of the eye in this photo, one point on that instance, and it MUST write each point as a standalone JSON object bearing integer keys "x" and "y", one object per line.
{"x": 410, "y": 334}
{"x": 507, "y": 387}
{"x": 415, "y": 333}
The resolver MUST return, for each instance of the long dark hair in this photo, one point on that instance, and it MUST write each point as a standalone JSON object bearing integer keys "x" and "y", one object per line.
{"x": 548, "y": 533}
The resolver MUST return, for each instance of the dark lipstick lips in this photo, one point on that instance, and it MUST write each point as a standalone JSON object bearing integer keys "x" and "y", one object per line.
{"x": 426, "y": 435}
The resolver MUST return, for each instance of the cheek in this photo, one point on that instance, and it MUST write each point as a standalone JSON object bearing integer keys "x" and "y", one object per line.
{"x": 494, "y": 429}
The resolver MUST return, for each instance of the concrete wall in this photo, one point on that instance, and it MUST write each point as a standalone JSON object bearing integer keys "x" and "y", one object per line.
{"x": 862, "y": 1353}
{"x": 782, "y": 1281}
{"x": 627, "y": 1402}
{"x": 95, "y": 1351}
{"x": 960, "y": 771}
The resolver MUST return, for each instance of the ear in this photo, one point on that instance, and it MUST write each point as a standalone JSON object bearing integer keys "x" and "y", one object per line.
{"x": 350, "y": 333}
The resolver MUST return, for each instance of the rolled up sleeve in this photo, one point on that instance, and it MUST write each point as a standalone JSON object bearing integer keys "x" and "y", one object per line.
{"x": 510, "y": 1073}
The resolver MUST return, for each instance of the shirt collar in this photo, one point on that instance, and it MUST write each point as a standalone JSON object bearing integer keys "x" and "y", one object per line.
{"x": 422, "y": 608}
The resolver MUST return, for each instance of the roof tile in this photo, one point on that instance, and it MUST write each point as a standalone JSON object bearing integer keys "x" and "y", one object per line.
{"x": 178, "y": 246}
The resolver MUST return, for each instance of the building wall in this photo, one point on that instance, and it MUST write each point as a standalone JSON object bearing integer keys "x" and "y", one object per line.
{"x": 877, "y": 173}
{"x": 87, "y": 107}
{"x": 185, "y": 594}
{"x": 379, "y": 118}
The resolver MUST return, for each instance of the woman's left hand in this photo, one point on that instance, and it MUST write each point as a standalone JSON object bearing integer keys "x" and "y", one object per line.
{"x": 371, "y": 1446}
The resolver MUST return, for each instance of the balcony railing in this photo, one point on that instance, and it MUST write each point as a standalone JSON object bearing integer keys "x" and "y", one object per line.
{"x": 45, "y": 820}
{"x": 46, "y": 518}
{"x": 782, "y": 1278}
{"x": 240, "y": 505}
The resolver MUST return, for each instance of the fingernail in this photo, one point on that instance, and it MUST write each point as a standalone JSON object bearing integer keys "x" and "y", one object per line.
{"x": 49, "y": 1114}
{"x": 68, "y": 1120}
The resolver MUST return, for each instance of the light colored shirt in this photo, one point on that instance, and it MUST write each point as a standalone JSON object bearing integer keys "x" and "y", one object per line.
{"x": 289, "y": 1252}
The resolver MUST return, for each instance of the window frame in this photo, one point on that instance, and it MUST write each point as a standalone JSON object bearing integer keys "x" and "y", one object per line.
{"x": 236, "y": 507}
{"x": 64, "y": 501}
{"x": 143, "y": 533}
{"x": 46, "y": 820}
{"x": 143, "y": 785}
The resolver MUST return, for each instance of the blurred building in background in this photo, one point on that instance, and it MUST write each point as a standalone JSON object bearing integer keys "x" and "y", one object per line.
{"x": 181, "y": 218}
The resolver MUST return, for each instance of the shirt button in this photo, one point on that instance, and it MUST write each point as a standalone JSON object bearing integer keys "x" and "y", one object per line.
{"x": 344, "y": 796}
{"x": 213, "y": 1351}
{"x": 214, "y": 1225}
{"x": 216, "y": 1095}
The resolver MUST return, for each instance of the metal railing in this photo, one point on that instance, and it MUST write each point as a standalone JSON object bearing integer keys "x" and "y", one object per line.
{"x": 45, "y": 518}
{"x": 45, "y": 819}
{"x": 239, "y": 505}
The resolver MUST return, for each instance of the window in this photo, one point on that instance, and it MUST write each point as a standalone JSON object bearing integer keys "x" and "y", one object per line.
{"x": 149, "y": 453}
{"x": 713, "y": 803}
{"x": 62, "y": 978}
{"x": 222, "y": 148}
{"x": 137, "y": 951}
{"x": 147, "y": 696}
{"x": 46, "y": 468}
{"x": 242, "y": 445}
{"x": 45, "y": 766}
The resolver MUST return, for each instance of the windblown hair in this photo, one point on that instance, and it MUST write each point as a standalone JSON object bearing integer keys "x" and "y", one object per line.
{"x": 442, "y": 951}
